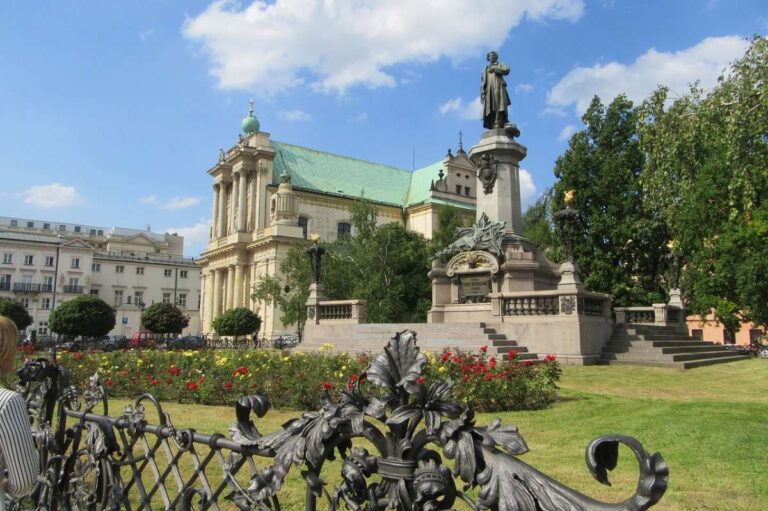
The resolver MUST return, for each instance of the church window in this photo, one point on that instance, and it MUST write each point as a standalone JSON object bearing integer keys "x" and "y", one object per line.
{"x": 458, "y": 189}
{"x": 466, "y": 190}
{"x": 344, "y": 229}
{"x": 304, "y": 224}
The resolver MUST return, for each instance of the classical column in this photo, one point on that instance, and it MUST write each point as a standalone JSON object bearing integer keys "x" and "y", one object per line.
{"x": 254, "y": 178}
{"x": 222, "y": 217}
{"x": 247, "y": 286}
{"x": 238, "y": 286}
{"x": 233, "y": 227}
{"x": 217, "y": 280}
{"x": 230, "y": 287}
{"x": 207, "y": 312}
{"x": 214, "y": 213}
{"x": 241, "y": 204}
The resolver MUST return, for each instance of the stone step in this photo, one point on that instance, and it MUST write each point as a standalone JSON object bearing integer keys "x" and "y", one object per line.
{"x": 667, "y": 350}
{"x": 504, "y": 343}
{"x": 711, "y": 361}
{"x": 662, "y": 357}
{"x": 644, "y": 345}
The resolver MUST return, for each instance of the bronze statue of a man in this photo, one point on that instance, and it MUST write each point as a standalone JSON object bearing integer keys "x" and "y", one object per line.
{"x": 493, "y": 93}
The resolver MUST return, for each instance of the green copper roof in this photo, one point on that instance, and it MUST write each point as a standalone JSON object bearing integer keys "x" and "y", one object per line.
{"x": 341, "y": 175}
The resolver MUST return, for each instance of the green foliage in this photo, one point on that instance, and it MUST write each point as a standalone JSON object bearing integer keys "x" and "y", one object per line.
{"x": 449, "y": 218}
{"x": 16, "y": 312}
{"x": 707, "y": 155}
{"x": 538, "y": 227}
{"x": 623, "y": 242}
{"x": 86, "y": 315}
{"x": 164, "y": 318}
{"x": 363, "y": 216}
{"x": 236, "y": 322}
{"x": 290, "y": 295}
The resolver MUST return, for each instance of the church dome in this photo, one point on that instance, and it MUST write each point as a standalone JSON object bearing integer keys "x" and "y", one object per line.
{"x": 250, "y": 123}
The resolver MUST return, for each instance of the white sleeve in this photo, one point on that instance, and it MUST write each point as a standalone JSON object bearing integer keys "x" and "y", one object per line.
{"x": 21, "y": 458}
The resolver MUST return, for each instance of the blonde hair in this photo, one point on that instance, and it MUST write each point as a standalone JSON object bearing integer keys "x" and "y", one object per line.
{"x": 9, "y": 335}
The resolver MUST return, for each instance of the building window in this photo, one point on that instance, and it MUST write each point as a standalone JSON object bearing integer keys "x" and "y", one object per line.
{"x": 128, "y": 299}
{"x": 29, "y": 260}
{"x": 47, "y": 284}
{"x": 304, "y": 224}
{"x": 458, "y": 189}
{"x": 199, "y": 296}
{"x": 62, "y": 227}
{"x": 466, "y": 190}
{"x": 74, "y": 281}
{"x": 755, "y": 336}
{"x": 30, "y": 225}
{"x": 42, "y": 328}
{"x": 727, "y": 337}
{"x": 77, "y": 228}
{"x": 100, "y": 232}
{"x": 166, "y": 297}
{"x": 94, "y": 292}
{"x": 183, "y": 274}
{"x": 24, "y": 302}
{"x": 168, "y": 272}
{"x": 76, "y": 262}
{"x": 92, "y": 232}
{"x": 343, "y": 229}
{"x": 118, "y": 297}
{"x": 96, "y": 267}
{"x": 7, "y": 258}
{"x": 5, "y": 282}
{"x": 119, "y": 268}
{"x": 181, "y": 301}
{"x": 697, "y": 333}
{"x": 45, "y": 303}
{"x": 14, "y": 223}
{"x": 139, "y": 270}
{"x": 48, "y": 260}
{"x": 138, "y": 298}
{"x": 47, "y": 226}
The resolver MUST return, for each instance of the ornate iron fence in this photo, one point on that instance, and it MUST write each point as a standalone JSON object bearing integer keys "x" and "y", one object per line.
{"x": 94, "y": 461}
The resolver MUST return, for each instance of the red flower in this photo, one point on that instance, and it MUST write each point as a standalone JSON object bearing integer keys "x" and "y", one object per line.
{"x": 327, "y": 385}
{"x": 108, "y": 383}
{"x": 168, "y": 381}
{"x": 420, "y": 380}
{"x": 240, "y": 370}
{"x": 351, "y": 381}
{"x": 191, "y": 385}
{"x": 492, "y": 362}
{"x": 446, "y": 355}
{"x": 550, "y": 358}
{"x": 228, "y": 386}
{"x": 153, "y": 381}
{"x": 201, "y": 379}
{"x": 488, "y": 376}
{"x": 512, "y": 354}
{"x": 483, "y": 349}
{"x": 527, "y": 363}
{"x": 77, "y": 355}
{"x": 175, "y": 371}
{"x": 134, "y": 381}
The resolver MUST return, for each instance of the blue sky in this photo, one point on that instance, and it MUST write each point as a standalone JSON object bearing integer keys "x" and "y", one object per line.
{"x": 112, "y": 112}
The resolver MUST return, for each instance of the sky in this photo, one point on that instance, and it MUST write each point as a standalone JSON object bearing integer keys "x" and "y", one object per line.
{"x": 112, "y": 112}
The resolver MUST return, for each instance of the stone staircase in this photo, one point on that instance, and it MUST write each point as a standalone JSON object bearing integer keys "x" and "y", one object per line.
{"x": 663, "y": 346}
{"x": 432, "y": 337}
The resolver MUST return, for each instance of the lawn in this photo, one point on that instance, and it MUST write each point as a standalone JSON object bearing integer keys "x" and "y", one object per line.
{"x": 709, "y": 423}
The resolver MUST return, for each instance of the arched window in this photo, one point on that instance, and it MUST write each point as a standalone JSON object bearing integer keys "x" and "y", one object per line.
{"x": 343, "y": 229}
{"x": 304, "y": 224}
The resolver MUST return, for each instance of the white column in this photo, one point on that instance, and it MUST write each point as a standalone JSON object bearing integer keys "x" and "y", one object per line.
{"x": 252, "y": 201}
{"x": 233, "y": 208}
{"x": 214, "y": 213}
{"x": 241, "y": 204}
{"x": 230, "y": 287}
{"x": 238, "y": 286}
{"x": 217, "y": 278}
{"x": 207, "y": 312}
{"x": 222, "y": 217}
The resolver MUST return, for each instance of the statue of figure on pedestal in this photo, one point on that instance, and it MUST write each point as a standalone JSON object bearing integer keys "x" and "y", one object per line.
{"x": 493, "y": 93}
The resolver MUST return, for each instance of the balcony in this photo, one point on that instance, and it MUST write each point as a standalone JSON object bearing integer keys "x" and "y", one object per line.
{"x": 74, "y": 290}
{"x": 5, "y": 286}
{"x": 26, "y": 287}
{"x": 46, "y": 288}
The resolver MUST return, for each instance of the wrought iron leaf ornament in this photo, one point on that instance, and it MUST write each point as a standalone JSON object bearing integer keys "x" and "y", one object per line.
{"x": 403, "y": 471}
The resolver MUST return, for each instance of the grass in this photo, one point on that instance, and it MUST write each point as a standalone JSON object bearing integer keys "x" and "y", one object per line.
{"x": 710, "y": 425}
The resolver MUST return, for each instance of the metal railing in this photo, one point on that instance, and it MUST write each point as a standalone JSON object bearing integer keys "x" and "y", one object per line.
{"x": 73, "y": 290}
{"x": 26, "y": 287}
{"x": 95, "y": 461}
{"x": 5, "y": 286}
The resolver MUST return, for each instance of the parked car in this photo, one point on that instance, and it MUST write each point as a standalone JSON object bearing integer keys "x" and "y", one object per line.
{"x": 285, "y": 341}
{"x": 113, "y": 342}
{"x": 142, "y": 340}
{"x": 188, "y": 342}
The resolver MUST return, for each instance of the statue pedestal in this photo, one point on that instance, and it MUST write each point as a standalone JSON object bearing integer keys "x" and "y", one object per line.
{"x": 316, "y": 296}
{"x": 569, "y": 277}
{"x": 502, "y": 203}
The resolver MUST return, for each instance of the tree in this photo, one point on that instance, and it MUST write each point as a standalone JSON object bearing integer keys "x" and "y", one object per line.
{"x": 449, "y": 218}
{"x": 87, "y": 315}
{"x": 538, "y": 227}
{"x": 16, "y": 312}
{"x": 623, "y": 242}
{"x": 236, "y": 322}
{"x": 707, "y": 154}
{"x": 164, "y": 318}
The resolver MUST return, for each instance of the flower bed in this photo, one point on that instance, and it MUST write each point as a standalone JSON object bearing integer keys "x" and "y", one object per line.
{"x": 297, "y": 380}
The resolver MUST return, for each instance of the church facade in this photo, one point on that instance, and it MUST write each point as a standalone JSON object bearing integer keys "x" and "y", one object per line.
{"x": 270, "y": 195}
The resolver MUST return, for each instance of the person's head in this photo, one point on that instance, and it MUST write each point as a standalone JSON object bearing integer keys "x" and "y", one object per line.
{"x": 9, "y": 334}
{"x": 492, "y": 57}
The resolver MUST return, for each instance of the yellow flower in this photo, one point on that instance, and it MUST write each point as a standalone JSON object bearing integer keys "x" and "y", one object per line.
{"x": 341, "y": 375}
{"x": 343, "y": 368}
{"x": 441, "y": 369}
{"x": 286, "y": 359}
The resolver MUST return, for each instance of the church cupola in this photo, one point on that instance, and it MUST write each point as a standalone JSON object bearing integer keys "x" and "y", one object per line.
{"x": 250, "y": 123}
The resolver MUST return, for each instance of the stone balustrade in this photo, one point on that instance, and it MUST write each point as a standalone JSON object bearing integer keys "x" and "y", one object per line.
{"x": 550, "y": 303}
{"x": 339, "y": 311}
{"x": 661, "y": 314}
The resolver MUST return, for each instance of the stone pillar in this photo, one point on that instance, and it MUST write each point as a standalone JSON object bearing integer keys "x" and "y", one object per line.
{"x": 208, "y": 291}
{"x": 214, "y": 213}
{"x": 230, "y": 287}
{"x": 241, "y": 202}
{"x": 217, "y": 281}
{"x": 222, "y": 216}
{"x": 247, "y": 286}
{"x": 502, "y": 202}
{"x": 234, "y": 207}
{"x": 238, "y": 286}
{"x": 252, "y": 219}
{"x": 569, "y": 277}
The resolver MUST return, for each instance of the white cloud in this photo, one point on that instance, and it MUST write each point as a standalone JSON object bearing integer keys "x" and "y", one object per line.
{"x": 172, "y": 203}
{"x": 294, "y": 115}
{"x": 277, "y": 45}
{"x": 527, "y": 189}
{"x": 555, "y": 112}
{"x": 523, "y": 88}
{"x": 54, "y": 195}
{"x": 566, "y": 132}
{"x": 703, "y": 62}
{"x": 195, "y": 236}
{"x": 470, "y": 111}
